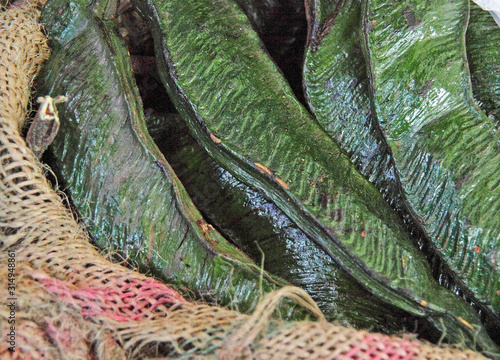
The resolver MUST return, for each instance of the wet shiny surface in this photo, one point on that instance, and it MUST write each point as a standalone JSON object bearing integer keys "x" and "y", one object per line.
{"x": 267, "y": 149}
{"x": 337, "y": 86}
{"x": 254, "y": 224}
{"x": 124, "y": 190}
{"x": 445, "y": 148}
{"x": 266, "y": 135}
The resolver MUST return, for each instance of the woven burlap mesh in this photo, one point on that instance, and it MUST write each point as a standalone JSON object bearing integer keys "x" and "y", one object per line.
{"x": 71, "y": 303}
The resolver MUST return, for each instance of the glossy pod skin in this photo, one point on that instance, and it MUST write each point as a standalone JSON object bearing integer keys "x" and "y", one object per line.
{"x": 238, "y": 106}
{"x": 123, "y": 188}
{"x": 445, "y": 149}
{"x": 258, "y": 227}
{"x": 483, "y": 51}
{"x": 338, "y": 92}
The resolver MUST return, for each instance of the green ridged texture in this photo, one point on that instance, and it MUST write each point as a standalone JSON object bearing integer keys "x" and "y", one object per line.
{"x": 337, "y": 90}
{"x": 445, "y": 149}
{"x": 483, "y": 53}
{"x": 215, "y": 71}
{"x": 121, "y": 185}
{"x": 255, "y": 225}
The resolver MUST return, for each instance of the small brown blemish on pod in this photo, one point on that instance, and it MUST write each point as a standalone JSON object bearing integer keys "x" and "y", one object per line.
{"x": 263, "y": 169}
{"x": 283, "y": 184}
{"x": 215, "y": 139}
{"x": 465, "y": 323}
{"x": 212, "y": 241}
{"x": 203, "y": 225}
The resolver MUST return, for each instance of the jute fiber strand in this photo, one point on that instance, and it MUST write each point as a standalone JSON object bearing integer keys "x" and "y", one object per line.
{"x": 71, "y": 303}
{"x": 15, "y": 81}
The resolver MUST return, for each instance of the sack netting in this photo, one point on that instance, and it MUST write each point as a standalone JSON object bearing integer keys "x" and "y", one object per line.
{"x": 61, "y": 299}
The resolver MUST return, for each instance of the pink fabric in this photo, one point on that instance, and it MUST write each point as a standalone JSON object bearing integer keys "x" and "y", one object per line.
{"x": 383, "y": 347}
{"x": 132, "y": 301}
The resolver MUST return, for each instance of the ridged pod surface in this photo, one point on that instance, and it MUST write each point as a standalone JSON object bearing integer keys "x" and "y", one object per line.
{"x": 119, "y": 181}
{"x": 258, "y": 227}
{"x": 240, "y": 108}
{"x": 483, "y": 51}
{"x": 337, "y": 90}
{"x": 445, "y": 149}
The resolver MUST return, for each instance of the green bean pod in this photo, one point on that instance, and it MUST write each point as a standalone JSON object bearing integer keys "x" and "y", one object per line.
{"x": 121, "y": 185}
{"x": 338, "y": 92}
{"x": 239, "y": 107}
{"x": 444, "y": 147}
{"x": 258, "y": 227}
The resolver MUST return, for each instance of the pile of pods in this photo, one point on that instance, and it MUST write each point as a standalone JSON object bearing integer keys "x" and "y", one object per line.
{"x": 374, "y": 184}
